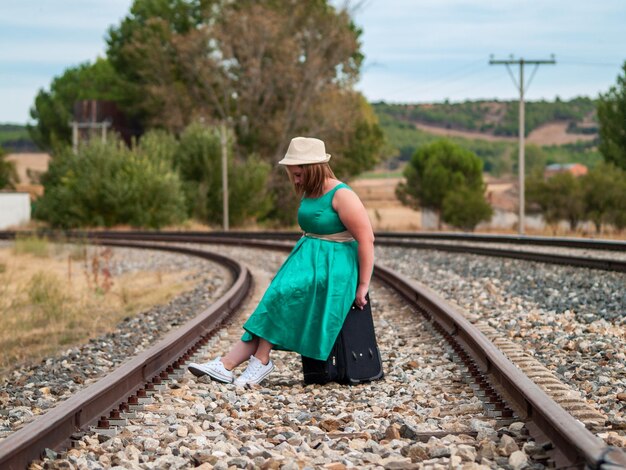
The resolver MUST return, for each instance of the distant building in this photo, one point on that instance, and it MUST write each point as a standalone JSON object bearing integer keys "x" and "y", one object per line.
{"x": 575, "y": 169}
{"x": 14, "y": 209}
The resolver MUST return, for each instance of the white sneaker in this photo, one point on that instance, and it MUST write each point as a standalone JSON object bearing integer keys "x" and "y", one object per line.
{"x": 214, "y": 369}
{"x": 255, "y": 373}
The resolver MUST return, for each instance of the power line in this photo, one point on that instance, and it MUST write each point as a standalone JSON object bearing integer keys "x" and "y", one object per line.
{"x": 459, "y": 73}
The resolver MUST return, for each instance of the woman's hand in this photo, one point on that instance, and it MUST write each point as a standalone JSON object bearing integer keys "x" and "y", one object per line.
{"x": 361, "y": 291}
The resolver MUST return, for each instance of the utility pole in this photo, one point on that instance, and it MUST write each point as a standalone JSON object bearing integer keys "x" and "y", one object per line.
{"x": 224, "y": 139}
{"x": 76, "y": 126}
{"x": 521, "y": 87}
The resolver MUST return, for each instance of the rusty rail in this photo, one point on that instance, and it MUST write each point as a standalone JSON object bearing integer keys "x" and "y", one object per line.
{"x": 407, "y": 240}
{"x": 575, "y": 445}
{"x": 388, "y": 239}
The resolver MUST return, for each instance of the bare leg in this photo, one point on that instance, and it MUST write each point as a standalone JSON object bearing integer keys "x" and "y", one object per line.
{"x": 262, "y": 352}
{"x": 240, "y": 352}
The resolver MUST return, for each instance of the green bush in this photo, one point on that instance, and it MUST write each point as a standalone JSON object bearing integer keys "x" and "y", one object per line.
{"x": 435, "y": 171}
{"x": 604, "y": 193}
{"x": 109, "y": 184}
{"x": 559, "y": 198}
{"x": 612, "y": 119}
{"x": 39, "y": 247}
{"x": 465, "y": 209}
{"x": 199, "y": 161}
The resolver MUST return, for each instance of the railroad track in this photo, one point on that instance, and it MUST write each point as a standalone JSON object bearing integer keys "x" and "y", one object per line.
{"x": 606, "y": 254}
{"x": 505, "y": 390}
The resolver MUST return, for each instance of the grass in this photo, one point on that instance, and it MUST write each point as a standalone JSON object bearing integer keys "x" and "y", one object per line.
{"x": 39, "y": 247}
{"x": 49, "y": 303}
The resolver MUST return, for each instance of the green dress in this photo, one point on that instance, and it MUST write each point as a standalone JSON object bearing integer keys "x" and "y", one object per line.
{"x": 307, "y": 302}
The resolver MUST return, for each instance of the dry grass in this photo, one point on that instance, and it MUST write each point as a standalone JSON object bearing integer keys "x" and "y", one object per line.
{"x": 55, "y": 296}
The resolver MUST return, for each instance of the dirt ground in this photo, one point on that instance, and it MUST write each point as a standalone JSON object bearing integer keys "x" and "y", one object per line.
{"x": 30, "y": 166}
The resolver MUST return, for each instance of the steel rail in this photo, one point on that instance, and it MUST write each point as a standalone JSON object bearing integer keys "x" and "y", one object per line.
{"x": 54, "y": 428}
{"x": 605, "y": 264}
{"x": 562, "y": 242}
{"x": 409, "y": 240}
{"x": 575, "y": 445}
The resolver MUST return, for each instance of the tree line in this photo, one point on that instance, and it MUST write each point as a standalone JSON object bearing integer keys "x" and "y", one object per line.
{"x": 598, "y": 197}
{"x": 162, "y": 180}
{"x": 267, "y": 69}
{"x": 447, "y": 178}
{"x": 495, "y": 117}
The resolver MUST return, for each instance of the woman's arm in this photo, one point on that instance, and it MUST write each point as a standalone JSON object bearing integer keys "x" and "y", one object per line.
{"x": 354, "y": 216}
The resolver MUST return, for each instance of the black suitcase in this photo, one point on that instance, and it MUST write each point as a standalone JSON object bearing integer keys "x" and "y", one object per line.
{"x": 354, "y": 358}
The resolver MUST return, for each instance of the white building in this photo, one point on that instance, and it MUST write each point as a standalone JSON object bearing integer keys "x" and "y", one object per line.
{"x": 14, "y": 209}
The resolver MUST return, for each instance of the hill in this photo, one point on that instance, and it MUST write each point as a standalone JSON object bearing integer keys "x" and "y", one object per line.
{"x": 497, "y": 118}
{"x": 15, "y": 138}
{"x": 564, "y": 131}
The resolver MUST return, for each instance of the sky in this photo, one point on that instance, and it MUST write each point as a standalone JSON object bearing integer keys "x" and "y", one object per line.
{"x": 416, "y": 51}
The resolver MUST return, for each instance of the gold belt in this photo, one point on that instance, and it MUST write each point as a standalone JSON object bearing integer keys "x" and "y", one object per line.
{"x": 344, "y": 236}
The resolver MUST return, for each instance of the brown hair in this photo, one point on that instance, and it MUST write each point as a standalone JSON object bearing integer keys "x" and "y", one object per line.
{"x": 313, "y": 177}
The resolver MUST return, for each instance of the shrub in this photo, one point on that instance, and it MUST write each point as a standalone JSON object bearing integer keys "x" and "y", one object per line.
{"x": 199, "y": 161}
{"x": 45, "y": 292}
{"x": 36, "y": 246}
{"x": 436, "y": 170}
{"x": 465, "y": 209}
{"x": 107, "y": 184}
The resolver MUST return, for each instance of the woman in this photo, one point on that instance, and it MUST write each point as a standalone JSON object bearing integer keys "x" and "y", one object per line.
{"x": 327, "y": 271}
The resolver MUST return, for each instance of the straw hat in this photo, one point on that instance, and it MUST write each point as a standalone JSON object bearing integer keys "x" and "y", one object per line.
{"x": 305, "y": 151}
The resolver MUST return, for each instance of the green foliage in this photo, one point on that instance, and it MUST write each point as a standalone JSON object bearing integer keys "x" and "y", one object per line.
{"x": 535, "y": 158}
{"x": 604, "y": 193}
{"x": 36, "y": 246}
{"x": 612, "y": 117}
{"x": 436, "y": 170}
{"x": 585, "y": 153}
{"x": 8, "y": 173}
{"x": 53, "y": 109}
{"x": 199, "y": 161}
{"x": 362, "y": 151}
{"x": 558, "y": 198}
{"x": 46, "y": 294}
{"x": 499, "y": 118}
{"x": 108, "y": 184}
{"x": 15, "y": 137}
{"x": 465, "y": 208}
{"x": 159, "y": 145}
{"x": 498, "y": 157}
{"x": 404, "y": 139}
{"x": 274, "y": 69}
